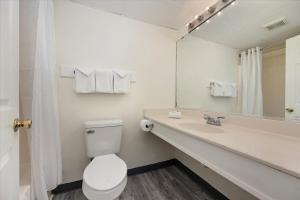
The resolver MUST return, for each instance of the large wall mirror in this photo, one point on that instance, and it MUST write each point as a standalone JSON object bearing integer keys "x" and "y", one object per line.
{"x": 245, "y": 59}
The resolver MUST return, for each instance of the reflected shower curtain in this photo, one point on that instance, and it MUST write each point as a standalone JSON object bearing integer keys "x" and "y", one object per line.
{"x": 251, "y": 99}
{"x": 45, "y": 146}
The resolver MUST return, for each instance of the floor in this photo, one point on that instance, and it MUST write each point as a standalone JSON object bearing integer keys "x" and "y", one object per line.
{"x": 169, "y": 183}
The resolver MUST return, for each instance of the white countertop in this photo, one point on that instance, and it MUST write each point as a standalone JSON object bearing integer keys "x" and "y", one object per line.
{"x": 275, "y": 150}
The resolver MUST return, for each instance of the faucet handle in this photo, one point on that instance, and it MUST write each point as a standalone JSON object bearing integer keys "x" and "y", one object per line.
{"x": 206, "y": 116}
{"x": 218, "y": 121}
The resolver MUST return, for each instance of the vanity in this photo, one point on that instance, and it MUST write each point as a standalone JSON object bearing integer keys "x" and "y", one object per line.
{"x": 252, "y": 153}
{"x": 243, "y": 62}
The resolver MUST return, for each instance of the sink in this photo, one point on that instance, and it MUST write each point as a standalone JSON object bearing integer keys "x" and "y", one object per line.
{"x": 202, "y": 127}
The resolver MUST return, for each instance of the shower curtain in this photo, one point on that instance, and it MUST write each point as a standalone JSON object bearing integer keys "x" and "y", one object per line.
{"x": 251, "y": 100}
{"x": 46, "y": 169}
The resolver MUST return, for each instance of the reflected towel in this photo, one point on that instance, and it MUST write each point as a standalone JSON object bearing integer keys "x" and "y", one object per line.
{"x": 216, "y": 89}
{"x": 230, "y": 90}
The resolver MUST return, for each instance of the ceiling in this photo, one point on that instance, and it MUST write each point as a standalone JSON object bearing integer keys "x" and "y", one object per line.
{"x": 241, "y": 26}
{"x": 172, "y": 14}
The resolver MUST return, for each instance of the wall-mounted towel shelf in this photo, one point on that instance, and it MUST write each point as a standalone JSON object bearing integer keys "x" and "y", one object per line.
{"x": 68, "y": 71}
{"x": 222, "y": 89}
{"x": 99, "y": 80}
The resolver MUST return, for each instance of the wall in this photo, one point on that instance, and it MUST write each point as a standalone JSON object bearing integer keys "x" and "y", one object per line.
{"x": 89, "y": 37}
{"x": 198, "y": 62}
{"x": 273, "y": 83}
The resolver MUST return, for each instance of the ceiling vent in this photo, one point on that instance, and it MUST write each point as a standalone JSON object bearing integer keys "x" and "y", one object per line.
{"x": 275, "y": 24}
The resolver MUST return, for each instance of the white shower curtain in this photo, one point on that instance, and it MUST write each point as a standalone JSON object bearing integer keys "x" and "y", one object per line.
{"x": 251, "y": 100}
{"x": 45, "y": 146}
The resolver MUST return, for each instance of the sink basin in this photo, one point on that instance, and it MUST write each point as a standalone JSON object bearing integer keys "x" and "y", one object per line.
{"x": 202, "y": 127}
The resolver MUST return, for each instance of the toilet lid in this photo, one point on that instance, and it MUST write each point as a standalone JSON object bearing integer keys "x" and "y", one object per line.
{"x": 105, "y": 172}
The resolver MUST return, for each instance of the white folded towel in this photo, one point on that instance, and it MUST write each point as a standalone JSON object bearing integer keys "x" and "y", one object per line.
{"x": 122, "y": 80}
{"x": 104, "y": 81}
{"x": 84, "y": 80}
{"x": 230, "y": 90}
{"x": 216, "y": 89}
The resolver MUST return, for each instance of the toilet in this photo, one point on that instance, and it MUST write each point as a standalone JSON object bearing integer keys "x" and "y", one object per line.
{"x": 106, "y": 176}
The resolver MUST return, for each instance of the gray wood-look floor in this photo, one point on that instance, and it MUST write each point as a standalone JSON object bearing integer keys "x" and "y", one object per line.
{"x": 164, "y": 184}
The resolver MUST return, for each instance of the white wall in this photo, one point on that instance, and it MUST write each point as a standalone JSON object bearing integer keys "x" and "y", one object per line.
{"x": 89, "y": 37}
{"x": 198, "y": 62}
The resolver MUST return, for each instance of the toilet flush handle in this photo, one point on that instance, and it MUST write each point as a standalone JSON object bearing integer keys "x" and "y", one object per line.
{"x": 90, "y": 131}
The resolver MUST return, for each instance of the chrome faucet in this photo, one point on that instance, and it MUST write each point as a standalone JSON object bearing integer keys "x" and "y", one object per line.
{"x": 213, "y": 121}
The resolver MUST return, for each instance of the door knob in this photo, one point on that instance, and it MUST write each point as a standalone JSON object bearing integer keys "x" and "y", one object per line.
{"x": 22, "y": 124}
{"x": 290, "y": 110}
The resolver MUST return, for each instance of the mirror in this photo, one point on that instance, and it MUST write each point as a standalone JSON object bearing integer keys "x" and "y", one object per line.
{"x": 245, "y": 60}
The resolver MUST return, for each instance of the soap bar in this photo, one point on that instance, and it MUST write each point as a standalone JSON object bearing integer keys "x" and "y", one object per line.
{"x": 175, "y": 114}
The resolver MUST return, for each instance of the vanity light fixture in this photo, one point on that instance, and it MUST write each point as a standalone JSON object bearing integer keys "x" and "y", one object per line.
{"x": 210, "y": 11}
{"x": 191, "y": 26}
{"x": 200, "y": 18}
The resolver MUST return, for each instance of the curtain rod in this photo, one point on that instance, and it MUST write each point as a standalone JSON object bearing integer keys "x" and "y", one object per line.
{"x": 240, "y": 54}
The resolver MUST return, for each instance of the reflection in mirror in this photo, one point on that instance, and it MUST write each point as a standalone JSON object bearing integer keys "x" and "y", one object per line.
{"x": 245, "y": 60}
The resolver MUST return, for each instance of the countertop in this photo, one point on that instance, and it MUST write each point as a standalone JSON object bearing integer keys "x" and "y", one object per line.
{"x": 275, "y": 150}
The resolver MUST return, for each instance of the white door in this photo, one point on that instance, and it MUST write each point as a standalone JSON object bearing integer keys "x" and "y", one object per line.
{"x": 9, "y": 99}
{"x": 292, "y": 85}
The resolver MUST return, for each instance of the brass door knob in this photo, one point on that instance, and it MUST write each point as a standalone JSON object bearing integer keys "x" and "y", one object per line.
{"x": 290, "y": 110}
{"x": 22, "y": 124}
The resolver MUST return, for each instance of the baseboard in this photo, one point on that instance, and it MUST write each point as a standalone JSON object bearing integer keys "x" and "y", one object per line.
{"x": 199, "y": 180}
{"x": 67, "y": 187}
{"x": 151, "y": 167}
{"x": 139, "y": 170}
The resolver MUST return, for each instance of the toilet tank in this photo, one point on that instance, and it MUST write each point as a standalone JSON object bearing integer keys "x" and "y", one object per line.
{"x": 103, "y": 137}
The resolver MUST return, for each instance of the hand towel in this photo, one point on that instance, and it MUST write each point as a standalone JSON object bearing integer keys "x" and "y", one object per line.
{"x": 84, "y": 80}
{"x": 104, "y": 81}
{"x": 121, "y": 81}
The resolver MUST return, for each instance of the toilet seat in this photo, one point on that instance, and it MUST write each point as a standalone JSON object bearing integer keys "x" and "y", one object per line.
{"x": 104, "y": 178}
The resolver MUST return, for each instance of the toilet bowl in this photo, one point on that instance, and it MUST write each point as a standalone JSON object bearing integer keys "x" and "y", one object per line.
{"x": 104, "y": 178}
